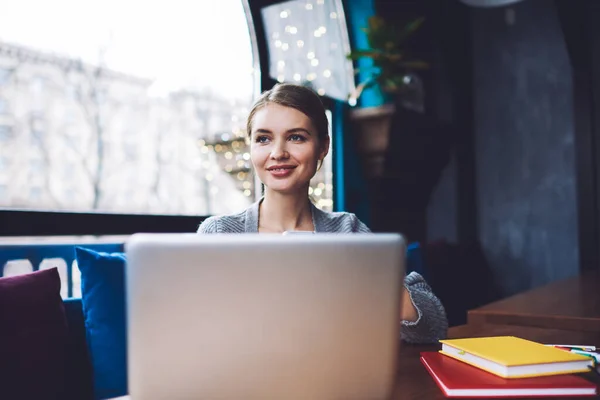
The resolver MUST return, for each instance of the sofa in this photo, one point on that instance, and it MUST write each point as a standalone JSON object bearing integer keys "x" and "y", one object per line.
{"x": 78, "y": 385}
{"x": 54, "y": 348}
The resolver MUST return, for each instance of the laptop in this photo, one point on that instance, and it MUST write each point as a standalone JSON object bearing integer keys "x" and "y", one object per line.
{"x": 263, "y": 316}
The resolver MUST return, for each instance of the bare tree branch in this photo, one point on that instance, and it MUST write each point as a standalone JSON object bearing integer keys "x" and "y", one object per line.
{"x": 43, "y": 147}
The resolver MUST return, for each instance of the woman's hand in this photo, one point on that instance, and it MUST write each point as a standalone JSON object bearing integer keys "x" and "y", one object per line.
{"x": 408, "y": 312}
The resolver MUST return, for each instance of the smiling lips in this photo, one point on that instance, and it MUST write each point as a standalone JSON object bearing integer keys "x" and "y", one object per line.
{"x": 280, "y": 171}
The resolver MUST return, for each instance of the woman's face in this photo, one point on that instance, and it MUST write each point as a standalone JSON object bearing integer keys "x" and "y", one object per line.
{"x": 285, "y": 148}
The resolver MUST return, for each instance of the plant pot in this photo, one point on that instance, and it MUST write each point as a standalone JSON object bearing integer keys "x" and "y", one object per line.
{"x": 372, "y": 137}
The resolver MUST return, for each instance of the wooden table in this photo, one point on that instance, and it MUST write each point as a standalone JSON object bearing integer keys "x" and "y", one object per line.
{"x": 414, "y": 382}
{"x": 571, "y": 304}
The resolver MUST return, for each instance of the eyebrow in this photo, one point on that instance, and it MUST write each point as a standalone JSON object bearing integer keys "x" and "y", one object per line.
{"x": 293, "y": 130}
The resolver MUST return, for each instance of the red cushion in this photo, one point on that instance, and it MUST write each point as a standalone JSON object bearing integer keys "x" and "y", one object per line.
{"x": 33, "y": 336}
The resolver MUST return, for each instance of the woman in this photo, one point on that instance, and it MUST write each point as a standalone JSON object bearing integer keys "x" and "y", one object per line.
{"x": 289, "y": 136}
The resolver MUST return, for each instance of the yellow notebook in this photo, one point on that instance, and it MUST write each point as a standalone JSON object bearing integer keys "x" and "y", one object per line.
{"x": 513, "y": 357}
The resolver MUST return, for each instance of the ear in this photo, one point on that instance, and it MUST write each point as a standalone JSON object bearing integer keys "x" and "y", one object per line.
{"x": 324, "y": 148}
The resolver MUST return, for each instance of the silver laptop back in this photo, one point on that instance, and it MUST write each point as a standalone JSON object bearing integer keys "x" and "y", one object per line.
{"x": 251, "y": 316}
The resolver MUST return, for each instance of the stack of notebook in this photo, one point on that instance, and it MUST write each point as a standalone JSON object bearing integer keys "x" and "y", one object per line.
{"x": 507, "y": 366}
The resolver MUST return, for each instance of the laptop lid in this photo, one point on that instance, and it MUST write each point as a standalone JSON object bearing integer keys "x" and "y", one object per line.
{"x": 259, "y": 316}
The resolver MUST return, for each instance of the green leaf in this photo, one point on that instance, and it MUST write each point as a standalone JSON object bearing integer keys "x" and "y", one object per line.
{"x": 390, "y": 52}
{"x": 411, "y": 28}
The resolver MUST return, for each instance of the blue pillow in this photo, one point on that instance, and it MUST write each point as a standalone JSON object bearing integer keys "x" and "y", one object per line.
{"x": 103, "y": 300}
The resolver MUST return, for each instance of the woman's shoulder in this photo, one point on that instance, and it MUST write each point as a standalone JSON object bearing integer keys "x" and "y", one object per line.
{"x": 230, "y": 223}
{"x": 339, "y": 222}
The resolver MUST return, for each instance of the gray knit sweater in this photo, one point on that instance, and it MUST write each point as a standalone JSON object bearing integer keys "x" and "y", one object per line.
{"x": 431, "y": 324}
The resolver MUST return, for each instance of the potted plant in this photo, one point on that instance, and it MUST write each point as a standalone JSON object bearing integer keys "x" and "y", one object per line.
{"x": 393, "y": 72}
{"x": 393, "y": 64}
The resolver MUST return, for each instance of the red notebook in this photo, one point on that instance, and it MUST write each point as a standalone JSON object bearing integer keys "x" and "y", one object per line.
{"x": 458, "y": 379}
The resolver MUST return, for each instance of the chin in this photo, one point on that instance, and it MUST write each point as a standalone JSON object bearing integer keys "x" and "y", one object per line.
{"x": 283, "y": 189}
{"x": 286, "y": 188}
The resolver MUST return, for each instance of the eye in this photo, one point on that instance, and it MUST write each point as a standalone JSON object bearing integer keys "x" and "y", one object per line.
{"x": 297, "y": 138}
{"x": 262, "y": 139}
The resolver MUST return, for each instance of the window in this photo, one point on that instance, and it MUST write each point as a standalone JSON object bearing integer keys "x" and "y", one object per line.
{"x": 308, "y": 43}
{"x": 6, "y": 133}
{"x": 4, "y": 75}
{"x": 180, "y": 94}
{"x": 3, "y": 106}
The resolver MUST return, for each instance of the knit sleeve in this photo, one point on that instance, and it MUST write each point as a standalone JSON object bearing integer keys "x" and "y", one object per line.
{"x": 209, "y": 225}
{"x": 358, "y": 226}
{"x": 431, "y": 324}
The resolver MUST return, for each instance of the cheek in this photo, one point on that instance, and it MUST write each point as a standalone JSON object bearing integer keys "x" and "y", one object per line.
{"x": 257, "y": 155}
{"x": 309, "y": 154}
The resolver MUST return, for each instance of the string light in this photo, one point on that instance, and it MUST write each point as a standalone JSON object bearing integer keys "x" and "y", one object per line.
{"x": 327, "y": 73}
{"x": 297, "y": 77}
{"x": 333, "y": 15}
{"x": 309, "y": 6}
{"x": 300, "y": 43}
{"x": 314, "y": 62}
{"x": 284, "y": 14}
{"x": 310, "y": 55}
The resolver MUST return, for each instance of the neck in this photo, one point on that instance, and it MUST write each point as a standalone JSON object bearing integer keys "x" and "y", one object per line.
{"x": 285, "y": 212}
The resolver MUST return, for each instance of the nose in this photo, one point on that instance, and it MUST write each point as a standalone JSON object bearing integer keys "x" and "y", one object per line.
{"x": 279, "y": 151}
